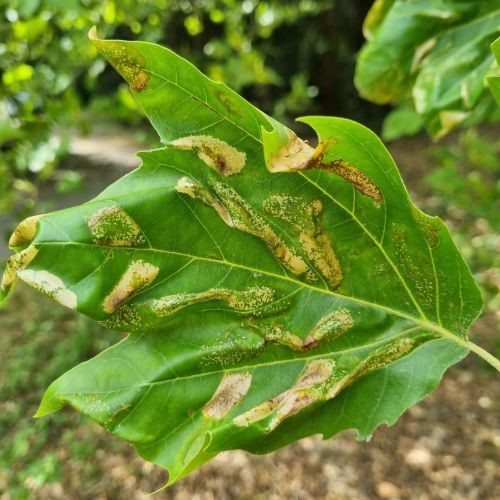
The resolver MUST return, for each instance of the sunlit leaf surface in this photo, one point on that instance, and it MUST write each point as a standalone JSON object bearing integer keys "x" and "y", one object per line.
{"x": 272, "y": 290}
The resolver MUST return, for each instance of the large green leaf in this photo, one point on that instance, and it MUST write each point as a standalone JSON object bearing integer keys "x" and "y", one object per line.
{"x": 436, "y": 52}
{"x": 271, "y": 290}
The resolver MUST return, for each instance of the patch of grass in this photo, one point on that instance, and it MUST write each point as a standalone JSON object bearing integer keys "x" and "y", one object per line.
{"x": 40, "y": 341}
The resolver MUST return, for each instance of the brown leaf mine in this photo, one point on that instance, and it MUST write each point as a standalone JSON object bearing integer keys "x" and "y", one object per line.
{"x": 328, "y": 328}
{"x": 297, "y": 155}
{"x": 16, "y": 263}
{"x": 294, "y": 155}
{"x": 138, "y": 275}
{"x": 198, "y": 192}
{"x": 304, "y": 393}
{"x": 303, "y": 218}
{"x": 357, "y": 178}
{"x": 217, "y": 154}
{"x": 231, "y": 391}
{"x": 237, "y": 213}
{"x": 322, "y": 380}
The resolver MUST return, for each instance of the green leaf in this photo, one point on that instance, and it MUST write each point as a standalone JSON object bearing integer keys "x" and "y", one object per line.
{"x": 434, "y": 52}
{"x": 271, "y": 290}
{"x": 375, "y": 16}
{"x": 401, "y": 121}
{"x": 494, "y": 76}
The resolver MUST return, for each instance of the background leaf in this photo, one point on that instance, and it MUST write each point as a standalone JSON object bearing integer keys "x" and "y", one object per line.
{"x": 494, "y": 78}
{"x": 434, "y": 52}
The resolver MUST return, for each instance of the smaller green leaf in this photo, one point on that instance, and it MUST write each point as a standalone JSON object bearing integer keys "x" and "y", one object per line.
{"x": 401, "y": 121}
{"x": 494, "y": 77}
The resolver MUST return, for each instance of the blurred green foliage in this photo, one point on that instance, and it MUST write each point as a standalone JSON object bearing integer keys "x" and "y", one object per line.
{"x": 431, "y": 58}
{"x": 289, "y": 57}
{"x": 32, "y": 451}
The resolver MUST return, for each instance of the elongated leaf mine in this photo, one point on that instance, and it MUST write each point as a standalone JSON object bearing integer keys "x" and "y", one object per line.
{"x": 16, "y": 263}
{"x": 138, "y": 275}
{"x": 50, "y": 285}
{"x": 322, "y": 380}
{"x": 297, "y": 155}
{"x": 217, "y": 154}
{"x": 250, "y": 299}
{"x": 112, "y": 226}
{"x": 229, "y": 394}
{"x": 328, "y": 328}
{"x": 197, "y": 191}
{"x": 237, "y": 213}
{"x": 25, "y": 231}
{"x": 303, "y": 218}
{"x": 304, "y": 393}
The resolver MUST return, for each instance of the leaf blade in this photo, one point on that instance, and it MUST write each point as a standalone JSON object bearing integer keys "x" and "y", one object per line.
{"x": 264, "y": 282}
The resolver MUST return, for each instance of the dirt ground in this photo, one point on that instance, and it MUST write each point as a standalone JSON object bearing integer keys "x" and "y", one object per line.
{"x": 446, "y": 447}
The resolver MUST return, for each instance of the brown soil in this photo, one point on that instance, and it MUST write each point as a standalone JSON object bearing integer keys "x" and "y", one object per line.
{"x": 446, "y": 447}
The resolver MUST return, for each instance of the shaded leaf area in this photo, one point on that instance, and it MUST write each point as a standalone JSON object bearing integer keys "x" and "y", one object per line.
{"x": 432, "y": 57}
{"x": 494, "y": 77}
{"x": 271, "y": 290}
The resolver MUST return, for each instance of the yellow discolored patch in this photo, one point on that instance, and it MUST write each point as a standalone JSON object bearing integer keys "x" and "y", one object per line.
{"x": 247, "y": 300}
{"x": 197, "y": 191}
{"x": 112, "y": 226}
{"x": 127, "y": 60}
{"x": 330, "y": 326}
{"x": 50, "y": 285}
{"x": 125, "y": 318}
{"x": 16, "y": 263}
{"x": 294, "y": 155}
{"x": 429, "y": 226}
{"x": 309, "y": 389}
{"x": 217, "y": 154}
{"x": 138, "y": 275}
{"x": 231, "y": 391}
{"x": 229, "y": 101}
{"x": 303, "y": 218}
{"x": 25, "y": 231}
